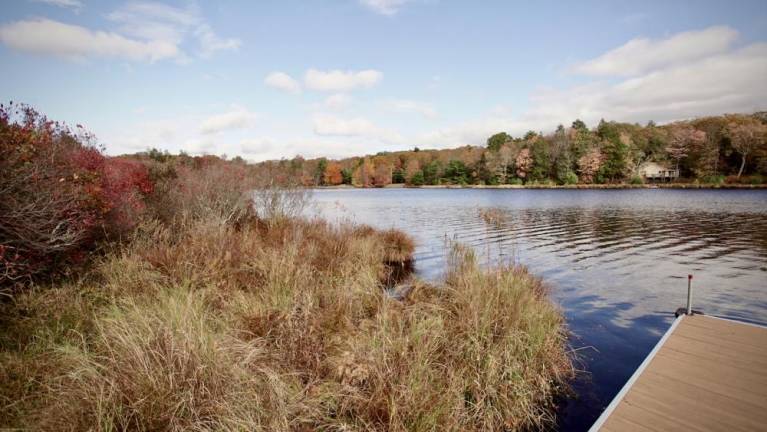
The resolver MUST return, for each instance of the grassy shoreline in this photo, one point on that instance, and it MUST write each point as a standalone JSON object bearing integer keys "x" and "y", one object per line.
{"x": 222, "y": 309}
{"x": 283, "y": 326}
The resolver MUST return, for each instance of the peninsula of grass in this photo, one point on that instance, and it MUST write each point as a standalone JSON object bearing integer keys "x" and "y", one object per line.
{"x": 281, "y": 327}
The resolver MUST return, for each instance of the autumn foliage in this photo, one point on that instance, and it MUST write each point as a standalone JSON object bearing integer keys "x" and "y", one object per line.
{"x": 59, "y": 195}
{"x": 700, "y": 149}
{"x": 332, "y": 175}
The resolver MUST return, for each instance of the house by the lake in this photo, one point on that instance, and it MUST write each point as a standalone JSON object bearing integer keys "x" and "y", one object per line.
{"x": 655, "y": 171}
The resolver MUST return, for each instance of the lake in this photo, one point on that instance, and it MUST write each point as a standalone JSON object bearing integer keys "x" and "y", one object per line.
{"x": 616, "y": 260}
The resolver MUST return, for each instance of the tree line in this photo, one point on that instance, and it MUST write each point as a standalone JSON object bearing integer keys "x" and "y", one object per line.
{"x": 728, "y": 148}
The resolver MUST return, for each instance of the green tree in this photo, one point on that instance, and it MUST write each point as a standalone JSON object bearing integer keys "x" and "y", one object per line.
{"x": 431, "y": 172}
{"x": 457, "y": 172}
{"x": 541, "y": 160}
{"x": 417, "y": 179}
{"x": 398, "y": 176}
{"x": 495, "y": 142}
{"x": 614, "y": 167}
{"x": 158, "y": 155}
{"x": 319, "y": 172}
{"x": 582, "y": 141}
{"x": 579, "y": 125}
{"x": 564, "y": 169}
{"x": 346, "y": 176}
{"x": 485, "y": 174}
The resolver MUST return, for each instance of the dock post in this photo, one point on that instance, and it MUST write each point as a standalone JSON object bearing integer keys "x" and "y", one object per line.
{"x": 689, "y": 294}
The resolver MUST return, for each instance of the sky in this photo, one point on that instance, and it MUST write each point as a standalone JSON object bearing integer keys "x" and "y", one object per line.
{"x": 275, "y": 79}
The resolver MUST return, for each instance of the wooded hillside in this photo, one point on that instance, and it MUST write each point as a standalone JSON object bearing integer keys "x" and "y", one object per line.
{"x": 728, "y": 148}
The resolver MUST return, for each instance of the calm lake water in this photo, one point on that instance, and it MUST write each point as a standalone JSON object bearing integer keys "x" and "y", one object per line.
{"x": 616, "y": 260}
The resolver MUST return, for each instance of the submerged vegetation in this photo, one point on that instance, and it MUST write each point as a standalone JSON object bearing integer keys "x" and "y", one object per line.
{"x": 211, "y": 308}
{"x": 709, "y": 150}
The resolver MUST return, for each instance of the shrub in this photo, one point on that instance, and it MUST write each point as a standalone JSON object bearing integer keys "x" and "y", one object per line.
{"x": 636, "y": 180}
{"x": 714, "y": 179}
{"x": 204, "y": 190}
{"x": 570, "y": 178}
{"x": 418, "y": 178}
{"x": 756, "y": 179}
{"x": 126, "y": 183}
{"x": 58, "y": 195}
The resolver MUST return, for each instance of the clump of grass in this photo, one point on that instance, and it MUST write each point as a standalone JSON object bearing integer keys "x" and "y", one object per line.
{"x": 166, "y": 365}
{"x": 484, "y": 351}
{"x": 398, "y": 246}
{"x": 493, "y": 216}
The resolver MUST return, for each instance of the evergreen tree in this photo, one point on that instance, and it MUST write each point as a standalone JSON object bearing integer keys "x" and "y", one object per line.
{"x": 541, "y": 160}
{"x": 457, "y": 172}
{"x": 319, "y": 172}
{"x": 346, "y": 175}
{"x": 398, "y": 176}
{"x": 496, "y": 141}
{"x": 431, "y": 172}
{"x": 613, "y": 168}
{"x": 417, "y": 179}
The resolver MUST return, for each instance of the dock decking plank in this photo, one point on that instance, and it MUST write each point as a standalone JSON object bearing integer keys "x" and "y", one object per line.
{"x": 698, "y": 348}
{"x": 707, "y": 374}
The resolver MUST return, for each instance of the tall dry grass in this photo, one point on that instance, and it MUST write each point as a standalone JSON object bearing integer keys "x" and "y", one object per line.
{"x": 201, "y": 322}
{"x": 165, "y": 364}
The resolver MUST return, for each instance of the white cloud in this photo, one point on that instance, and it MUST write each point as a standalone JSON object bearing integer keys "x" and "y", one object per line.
{"x": 338, "y": 101}
{"x": 340, "y": 81}
{"x": 155, "y": 133}
{"x": 157, "y": 21}
{"x": 44, "y": 36}
{"x": 329, "y": 125}
{"x": 384, "y": 7}
{"x": 238, "y": 118}
{"x": 75, "y": 5}
{"x": 722, "y": 82}
{"x": 474, "y": 132}
{"x": 283, "y": 81}
{"x": 256, "y": 146}
{"x": 198, "y": 146}
{"x": 643, "y": 55}
{"x": 210, "y": 43}
{"x": 728, "y": 82}
{"x": 411, "y": 106}
{"x": 146, "y": 31}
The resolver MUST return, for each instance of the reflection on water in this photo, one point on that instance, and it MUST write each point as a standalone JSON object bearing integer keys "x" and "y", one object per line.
{"x": 616, "y": 260}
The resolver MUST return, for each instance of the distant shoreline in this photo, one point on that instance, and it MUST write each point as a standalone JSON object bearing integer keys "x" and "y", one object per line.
{"x": 578, "y": 186}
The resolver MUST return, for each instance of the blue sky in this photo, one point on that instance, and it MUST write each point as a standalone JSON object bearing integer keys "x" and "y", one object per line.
{"x": 271, "y": 79}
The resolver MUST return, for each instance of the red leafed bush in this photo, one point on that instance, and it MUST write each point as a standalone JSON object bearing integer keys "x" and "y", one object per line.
{"x": 58, "y": 195}
{"x": 125, "y": 184}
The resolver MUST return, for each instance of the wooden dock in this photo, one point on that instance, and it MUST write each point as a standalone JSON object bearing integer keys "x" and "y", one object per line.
{"x": 705, "y": 374}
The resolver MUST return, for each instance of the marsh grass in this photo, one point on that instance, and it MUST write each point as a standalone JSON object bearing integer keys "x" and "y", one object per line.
{"x": 494, "y": 217}
{"x": 280, "y": 325}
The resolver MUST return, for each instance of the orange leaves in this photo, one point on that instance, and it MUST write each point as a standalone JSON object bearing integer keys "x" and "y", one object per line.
{"x": 332, "y": 175}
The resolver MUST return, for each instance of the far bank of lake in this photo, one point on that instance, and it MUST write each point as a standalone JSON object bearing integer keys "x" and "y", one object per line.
{"x": 555, "y": 186}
